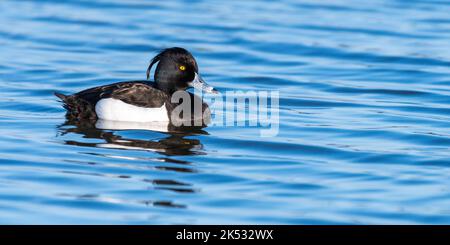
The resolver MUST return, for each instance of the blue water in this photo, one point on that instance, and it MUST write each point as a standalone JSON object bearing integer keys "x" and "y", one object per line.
{"x": 364, "y": 113}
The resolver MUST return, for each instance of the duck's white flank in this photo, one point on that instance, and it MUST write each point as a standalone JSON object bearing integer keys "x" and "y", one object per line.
{"x": 117, "y": 110}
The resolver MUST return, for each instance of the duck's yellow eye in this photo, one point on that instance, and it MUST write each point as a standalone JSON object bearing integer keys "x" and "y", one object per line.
{"x": 182, "y": 68}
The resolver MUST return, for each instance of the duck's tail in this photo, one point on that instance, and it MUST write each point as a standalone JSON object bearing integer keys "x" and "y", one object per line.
{"x": 77, "y": 108}
{"x": 61, "y": 96}
{"x": 66, "y": 100}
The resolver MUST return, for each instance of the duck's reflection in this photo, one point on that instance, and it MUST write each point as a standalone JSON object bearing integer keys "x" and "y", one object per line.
{"x": 175, "y": 142}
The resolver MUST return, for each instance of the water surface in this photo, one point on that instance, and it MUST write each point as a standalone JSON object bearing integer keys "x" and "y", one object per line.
{"x": 364, "y": 113}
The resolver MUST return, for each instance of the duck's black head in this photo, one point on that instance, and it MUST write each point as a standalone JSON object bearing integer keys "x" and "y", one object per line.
{"x": 177, "y": 70}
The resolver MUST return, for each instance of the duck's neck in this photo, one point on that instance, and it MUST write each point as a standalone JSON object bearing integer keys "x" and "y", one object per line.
{"x": 165, "y": 88}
